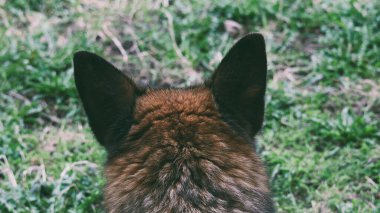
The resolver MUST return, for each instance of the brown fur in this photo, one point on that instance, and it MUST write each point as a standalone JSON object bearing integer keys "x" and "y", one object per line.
{"x": 178, "y": 150}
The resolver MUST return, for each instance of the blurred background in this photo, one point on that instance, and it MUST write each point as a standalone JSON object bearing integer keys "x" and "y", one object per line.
{"x": 321, "y": 139}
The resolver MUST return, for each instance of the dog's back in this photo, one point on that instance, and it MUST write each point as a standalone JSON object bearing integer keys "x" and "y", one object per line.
{"x": 181, "y": 150}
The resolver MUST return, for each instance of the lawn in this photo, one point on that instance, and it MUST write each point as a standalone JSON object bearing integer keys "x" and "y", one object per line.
{"x": 321, "y": 138}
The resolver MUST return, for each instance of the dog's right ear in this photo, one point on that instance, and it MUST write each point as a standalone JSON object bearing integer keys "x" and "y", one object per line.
{"x": 239, "y": 82}
{"x": 108, "y": 97}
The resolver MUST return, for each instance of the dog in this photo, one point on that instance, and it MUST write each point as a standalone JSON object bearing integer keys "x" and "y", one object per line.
{"x": 181, "y": 150}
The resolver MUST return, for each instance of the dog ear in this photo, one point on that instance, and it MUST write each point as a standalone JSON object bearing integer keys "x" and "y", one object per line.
{"x": 239, "y": 82}
{"x": 108, "y": 97}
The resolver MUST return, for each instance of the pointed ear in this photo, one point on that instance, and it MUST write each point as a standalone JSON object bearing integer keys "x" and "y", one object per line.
{"x": 239, "y": 82}
{"x": 107, "y": 95}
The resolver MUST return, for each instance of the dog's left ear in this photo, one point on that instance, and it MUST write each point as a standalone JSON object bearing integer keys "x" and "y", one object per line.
{"x": 108, "y": 97}
{"x": 239, "y": 82}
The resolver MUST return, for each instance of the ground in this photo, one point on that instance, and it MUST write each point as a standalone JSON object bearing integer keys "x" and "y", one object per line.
{"x": 320, "y": 141}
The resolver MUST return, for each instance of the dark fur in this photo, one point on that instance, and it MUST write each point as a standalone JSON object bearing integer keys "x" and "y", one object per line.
{"x": 181, "y": 150}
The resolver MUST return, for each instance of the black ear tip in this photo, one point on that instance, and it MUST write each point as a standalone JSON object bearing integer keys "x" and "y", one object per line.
{"x": 83, "y": 55}
{"x": 257, "y": 35}
{"x": 84, "y": 60}
{"x": 254, "y": 38}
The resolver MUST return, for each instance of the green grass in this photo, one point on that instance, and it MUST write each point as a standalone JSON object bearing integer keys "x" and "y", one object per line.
{"x": 321, "y": 139}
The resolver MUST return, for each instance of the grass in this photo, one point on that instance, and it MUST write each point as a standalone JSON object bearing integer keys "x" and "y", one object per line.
{"x": 321, "y": 139}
